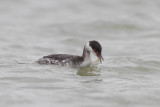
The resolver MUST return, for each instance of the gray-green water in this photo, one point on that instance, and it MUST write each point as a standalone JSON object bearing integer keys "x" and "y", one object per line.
{"x": 129, "y": 31}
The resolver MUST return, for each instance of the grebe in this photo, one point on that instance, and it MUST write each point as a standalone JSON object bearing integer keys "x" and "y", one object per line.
{"x": 73, "y": 60}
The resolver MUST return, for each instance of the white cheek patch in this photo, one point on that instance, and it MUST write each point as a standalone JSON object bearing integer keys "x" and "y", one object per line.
{"x": 89, "y": 48}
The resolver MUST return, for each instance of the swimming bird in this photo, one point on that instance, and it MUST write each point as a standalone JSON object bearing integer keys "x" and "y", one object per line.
{"x": 93, "y": 47}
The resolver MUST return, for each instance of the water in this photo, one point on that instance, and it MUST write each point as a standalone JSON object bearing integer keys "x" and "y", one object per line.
{"x": 129, "y": 31}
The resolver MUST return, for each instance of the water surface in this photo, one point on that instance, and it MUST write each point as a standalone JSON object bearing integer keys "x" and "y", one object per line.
{"x": 129, "y": 32}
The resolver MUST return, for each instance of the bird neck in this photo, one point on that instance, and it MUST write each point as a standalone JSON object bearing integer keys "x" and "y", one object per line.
{"x": 86, "y": 55}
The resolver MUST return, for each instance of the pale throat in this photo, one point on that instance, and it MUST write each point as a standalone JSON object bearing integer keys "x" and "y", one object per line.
{"x": 87, "y": 58}
{"x": 86, "y": 53}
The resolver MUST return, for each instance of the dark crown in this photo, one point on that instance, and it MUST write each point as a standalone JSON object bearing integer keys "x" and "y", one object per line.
{"x": 95, "y": 46}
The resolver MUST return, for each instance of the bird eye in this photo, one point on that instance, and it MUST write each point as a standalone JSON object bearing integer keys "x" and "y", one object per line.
{"x": 96, "y": 52}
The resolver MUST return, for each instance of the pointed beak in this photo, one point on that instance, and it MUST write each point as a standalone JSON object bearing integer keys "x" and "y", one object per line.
{"x": 100, "y": 58}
